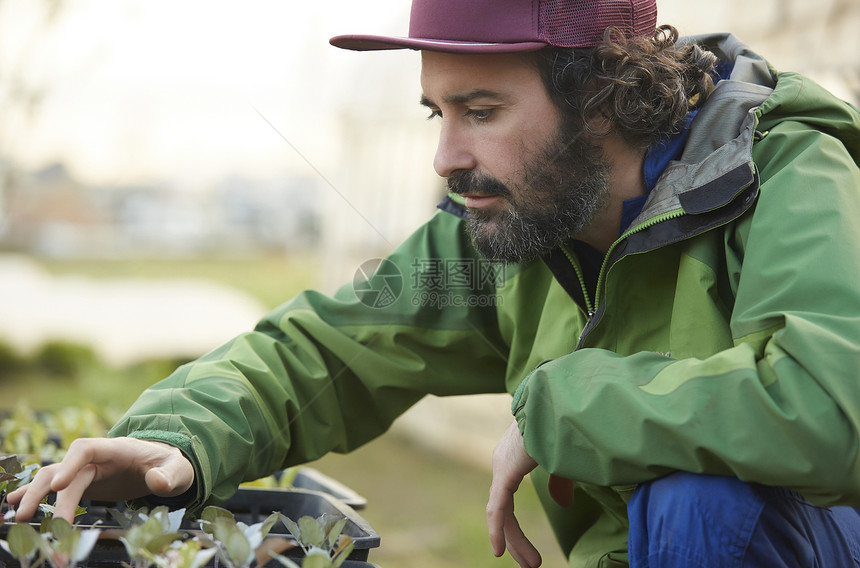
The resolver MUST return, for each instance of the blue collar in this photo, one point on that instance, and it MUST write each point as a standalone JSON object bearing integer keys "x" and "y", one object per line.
{"x": 656, "y": 159}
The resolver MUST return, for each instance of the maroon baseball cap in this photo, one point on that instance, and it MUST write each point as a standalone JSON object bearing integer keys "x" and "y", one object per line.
{"x": 501, "y": 26}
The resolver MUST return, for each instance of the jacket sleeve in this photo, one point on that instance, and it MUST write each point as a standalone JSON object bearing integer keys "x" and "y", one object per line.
{"x": 780, "y": 407}
{"x": 324, "y": 374}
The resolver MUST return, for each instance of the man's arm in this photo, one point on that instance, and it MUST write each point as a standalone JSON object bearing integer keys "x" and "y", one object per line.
{"x": 318, "y": 374}
{"x": 780, "y": 407}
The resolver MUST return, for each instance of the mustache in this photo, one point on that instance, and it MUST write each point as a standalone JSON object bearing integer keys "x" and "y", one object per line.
{"x": 472, "y": 184}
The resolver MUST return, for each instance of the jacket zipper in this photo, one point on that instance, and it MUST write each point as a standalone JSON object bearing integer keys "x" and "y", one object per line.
{"x": 591, "y": 308}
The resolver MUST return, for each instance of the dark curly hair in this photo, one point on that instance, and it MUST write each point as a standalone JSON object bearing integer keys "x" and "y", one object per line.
{"x": 643, "y": 87}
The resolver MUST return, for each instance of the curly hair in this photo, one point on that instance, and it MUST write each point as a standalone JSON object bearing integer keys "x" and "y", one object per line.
{"x": 643, "y": 87}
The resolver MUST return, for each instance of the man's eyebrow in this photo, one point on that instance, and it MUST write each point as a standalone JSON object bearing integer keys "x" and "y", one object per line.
{"x": 463, "y": 98}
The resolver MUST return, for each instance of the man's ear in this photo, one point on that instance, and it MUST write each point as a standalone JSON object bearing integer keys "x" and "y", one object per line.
{"x": 599, "y": 124}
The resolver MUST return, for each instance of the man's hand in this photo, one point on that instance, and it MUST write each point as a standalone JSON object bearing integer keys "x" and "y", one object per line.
{"x": 108, "y": 469}
{"x": 511, "y": 464}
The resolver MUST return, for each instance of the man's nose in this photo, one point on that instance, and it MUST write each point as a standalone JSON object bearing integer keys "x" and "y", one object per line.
{"x": 453, "y": 154}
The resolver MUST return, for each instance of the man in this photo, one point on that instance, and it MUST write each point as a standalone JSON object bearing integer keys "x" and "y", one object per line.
{"x": 678, "y": 319}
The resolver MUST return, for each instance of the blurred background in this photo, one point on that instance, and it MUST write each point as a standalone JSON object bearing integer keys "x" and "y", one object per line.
{"x": 170, "y": 171}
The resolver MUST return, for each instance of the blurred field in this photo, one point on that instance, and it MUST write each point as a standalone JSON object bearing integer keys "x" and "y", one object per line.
{"x": 271, "y": 279}
{"x": 427, "y": 507}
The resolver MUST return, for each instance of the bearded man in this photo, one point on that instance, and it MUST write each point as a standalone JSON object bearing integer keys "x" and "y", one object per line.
{"x": 678, "y": 318}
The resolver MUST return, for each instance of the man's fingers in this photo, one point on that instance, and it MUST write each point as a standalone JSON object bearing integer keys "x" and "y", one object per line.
{"x": 496, "y": 525}
{"x": 166, "y": 482}
{"x": 28, "y": 497}
{"x": 111, "y": 469}
{"x": 499, "y": 503}
{"x": 520, "y": 547}
{"x": 506, "y": 534}
{"x": 80, "y": 454}
{"x": 172, "y": 475}
{"x": 505, "y": 531}
{"x": 69, "y": 497}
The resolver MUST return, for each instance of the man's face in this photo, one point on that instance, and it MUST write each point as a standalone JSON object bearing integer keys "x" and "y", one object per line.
{"x": 531, "y": 181}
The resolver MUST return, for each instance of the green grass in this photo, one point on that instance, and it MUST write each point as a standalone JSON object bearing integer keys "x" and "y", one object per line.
{"x": 427, "y": 508}
{"x": 270, "y": 279}
{"x": 109, "y": 390}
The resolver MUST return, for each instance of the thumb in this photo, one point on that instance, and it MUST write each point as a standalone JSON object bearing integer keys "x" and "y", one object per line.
{"x": 172, "y": 478}
{"x": 561, "y": 490}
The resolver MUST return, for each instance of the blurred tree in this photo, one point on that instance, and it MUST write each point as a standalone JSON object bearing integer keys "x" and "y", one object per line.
{"x": 21, "y": 92}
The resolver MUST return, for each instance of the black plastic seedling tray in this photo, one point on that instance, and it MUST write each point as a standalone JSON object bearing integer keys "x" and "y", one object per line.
{"x": 251, "y": 505}
{"x": 248, "y": 505}
{"x": 310, "y": 478}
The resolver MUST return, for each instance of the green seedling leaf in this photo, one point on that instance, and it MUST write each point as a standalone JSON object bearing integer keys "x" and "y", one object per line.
{"x": 237, "y": 547}
{"x": 333, "y": 530}
{"x": 210, "y": 516}
{"x": 170, "y": 520}
{"x": 149, "y": 534}
{"x": 24, "y": 476}
{"x": 38, "y": 437}
{"x": 13, "y": 474}
{"x": 48, "y": 510}
{"x": 285, "y": 561}
{"x": 161, "y": 542}
{"x": 61, "y": 548}
{"x": 188, "y": 554}
{"x": 58, "y": 527}
{"x": 312, "y": 532}
{"x": 5, "y": 478}
{"x": 237, "y": 541}
{"x": 125, "y": 519}
{"x": 317, "y": 558}
{"x": 233, "y": 544}
{"x": 293, "y": 527}
{"x": 66, "y": 545}
{"x": 140, "y": 535}
{"x": 24, "y": 542}
{"x": 10, "y": 464}
{"x": 268, "y": 523}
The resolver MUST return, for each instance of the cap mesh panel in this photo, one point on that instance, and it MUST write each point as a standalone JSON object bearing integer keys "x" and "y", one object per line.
{"x": 581, "y": 23}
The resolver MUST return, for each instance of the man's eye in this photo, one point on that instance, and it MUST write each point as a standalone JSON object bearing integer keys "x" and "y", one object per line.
{"x": 434, "y": 113}
{"x": 480, "y": 114}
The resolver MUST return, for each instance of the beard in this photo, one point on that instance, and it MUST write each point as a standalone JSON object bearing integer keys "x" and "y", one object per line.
{"x": 563, "y": 188}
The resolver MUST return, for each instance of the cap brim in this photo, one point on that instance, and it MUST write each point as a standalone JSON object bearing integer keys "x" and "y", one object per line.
{"x": 376, "y": 43}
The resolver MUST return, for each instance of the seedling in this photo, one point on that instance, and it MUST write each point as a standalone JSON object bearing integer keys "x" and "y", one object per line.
{"x": 63, "y": 545}
{"x": 24, "y": 434}
{"x": 238, "y": 544}
{"x": 154, "y": 539}
{"x": 283, "y": 481}
{"x": 13, "y": 474}
{"x": 57, "y": 543}
{"x": 148, "y": 535}
{"x": 24, "y": 544}
{"x": 321, "y": 540}
{"x": 185, "y": 554}
{"x": 43, "y": 436}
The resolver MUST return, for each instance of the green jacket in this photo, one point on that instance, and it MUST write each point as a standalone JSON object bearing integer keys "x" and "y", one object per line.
{"x": 723, "y": 337}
